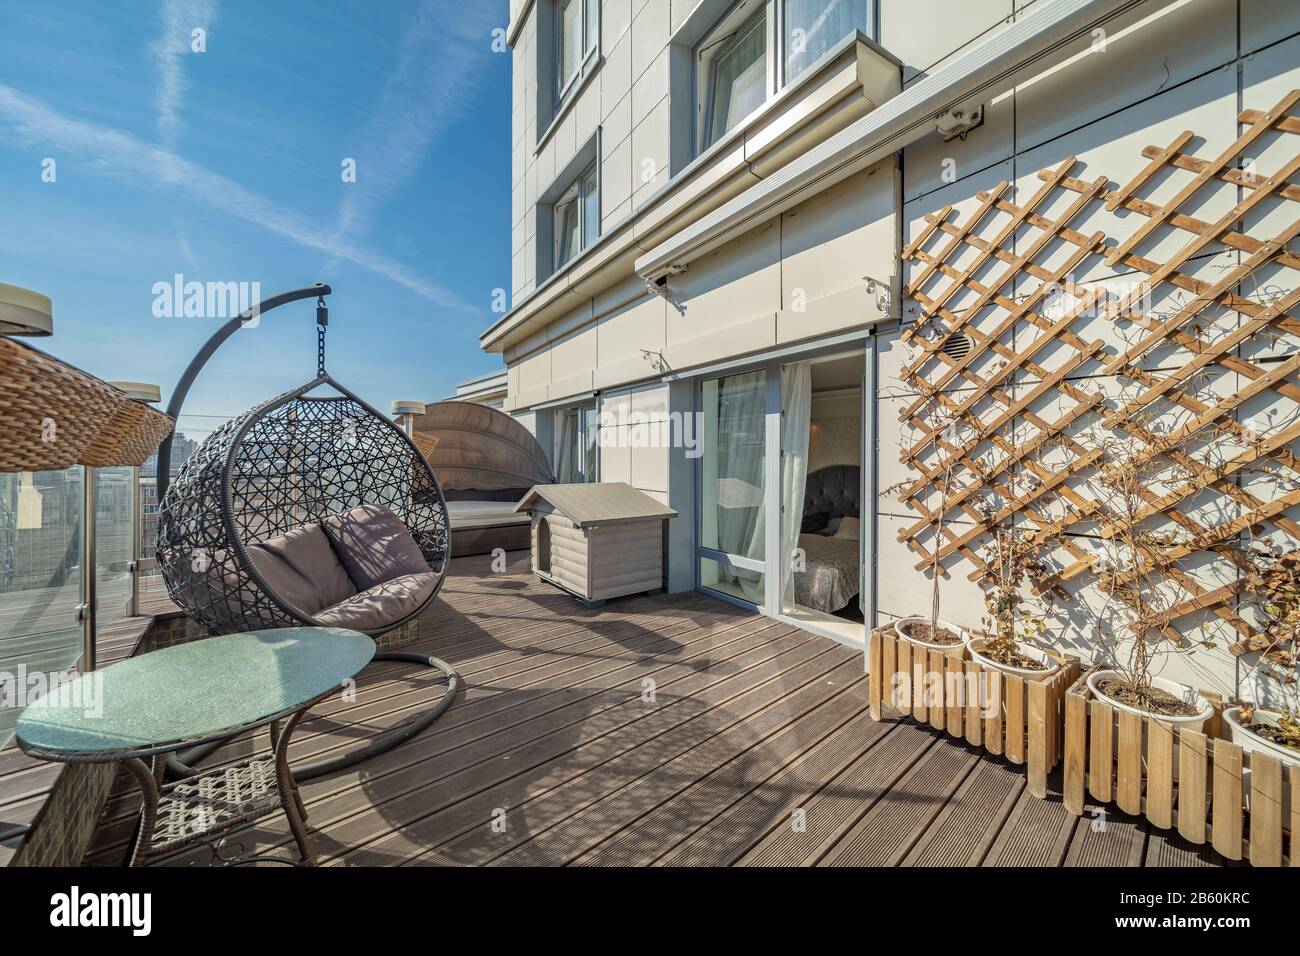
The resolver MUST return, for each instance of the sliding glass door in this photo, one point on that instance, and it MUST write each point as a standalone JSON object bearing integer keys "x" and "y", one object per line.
{"x": 782, "y": 474}
{"x": 733, "y": 486}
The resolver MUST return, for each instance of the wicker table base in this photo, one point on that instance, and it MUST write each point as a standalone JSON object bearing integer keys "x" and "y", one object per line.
{"x": 197, "y": 808}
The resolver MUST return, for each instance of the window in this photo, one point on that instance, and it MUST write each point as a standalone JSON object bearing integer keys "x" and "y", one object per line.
{"x": 577, "y": 32}
{"x": 577, "y": 448}
{"x": 733, "y": 481}
{"x": 738, "y": 78}
{"x": 811, "y": 27}
{"x": 577, "y": 216}
{"x": 757, "y": 48}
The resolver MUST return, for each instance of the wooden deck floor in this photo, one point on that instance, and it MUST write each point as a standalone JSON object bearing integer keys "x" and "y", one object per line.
{"x": 657, "y": 731}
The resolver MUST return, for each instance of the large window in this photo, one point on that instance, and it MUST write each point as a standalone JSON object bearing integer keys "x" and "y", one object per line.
{"x": 577, "y": 216}
{"x": 757, "y": 48}
{"x": 577, "y": 32}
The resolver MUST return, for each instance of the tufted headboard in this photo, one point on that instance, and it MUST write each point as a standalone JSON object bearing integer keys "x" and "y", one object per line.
{"x": 831, "y": 492}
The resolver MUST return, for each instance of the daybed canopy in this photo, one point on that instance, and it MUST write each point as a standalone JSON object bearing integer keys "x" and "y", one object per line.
{"x": 476, "y": 448}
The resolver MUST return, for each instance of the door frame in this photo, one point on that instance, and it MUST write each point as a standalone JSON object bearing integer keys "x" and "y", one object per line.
{"x": 771, "y": 605}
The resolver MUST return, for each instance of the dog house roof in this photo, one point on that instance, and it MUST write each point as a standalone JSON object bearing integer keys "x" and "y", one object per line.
{"x": 589, "y": 505}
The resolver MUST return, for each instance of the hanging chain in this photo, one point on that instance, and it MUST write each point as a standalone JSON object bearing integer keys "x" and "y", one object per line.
{"x": 322, "y": 322}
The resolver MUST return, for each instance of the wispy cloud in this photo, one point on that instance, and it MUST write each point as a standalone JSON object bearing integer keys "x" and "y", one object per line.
{"x": 129, "y": 159}
{"x": 175, "y": 42}
{"x": 179, "y": 19}
{"x": 443, "y": 51}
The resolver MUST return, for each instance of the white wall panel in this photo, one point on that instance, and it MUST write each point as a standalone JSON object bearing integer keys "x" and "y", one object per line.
{"x": 1266, "y": 21}
{"x": 923, "y": 32}
{"x": 1192, "y": 37}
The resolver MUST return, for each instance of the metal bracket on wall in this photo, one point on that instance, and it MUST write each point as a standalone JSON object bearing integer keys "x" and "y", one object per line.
{"x": 959, "y": 121}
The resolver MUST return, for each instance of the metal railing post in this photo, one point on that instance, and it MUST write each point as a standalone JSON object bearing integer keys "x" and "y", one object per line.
{"x": 137, "y": 541}
{"x": 88, "y": 563}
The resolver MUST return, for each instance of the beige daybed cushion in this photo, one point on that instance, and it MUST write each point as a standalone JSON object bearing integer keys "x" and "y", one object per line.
{"x": 373, "y": 546}
{"x": 382, "y": 604}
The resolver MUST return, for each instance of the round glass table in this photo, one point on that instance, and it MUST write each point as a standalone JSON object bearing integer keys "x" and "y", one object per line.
{"x": 146, "y": 707}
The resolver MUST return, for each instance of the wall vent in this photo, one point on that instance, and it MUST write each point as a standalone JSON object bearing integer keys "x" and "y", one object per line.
{"x": 957, "y": 346}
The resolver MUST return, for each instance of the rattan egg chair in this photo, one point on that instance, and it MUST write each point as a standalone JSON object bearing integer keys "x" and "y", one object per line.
{"x": 297, "y": 465}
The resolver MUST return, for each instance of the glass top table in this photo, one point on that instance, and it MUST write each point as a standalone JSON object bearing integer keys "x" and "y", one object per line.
{"x": 178, "y": 697}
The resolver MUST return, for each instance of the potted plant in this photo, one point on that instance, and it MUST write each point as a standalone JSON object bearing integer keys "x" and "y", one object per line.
{"x": 930, "y": 633}
{"x": 1272, "y": 586}
{"x": 1132, "y": 575}
{"x": 1013, "y": 563}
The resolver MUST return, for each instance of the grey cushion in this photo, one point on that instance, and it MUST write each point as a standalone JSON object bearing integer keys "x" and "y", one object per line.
{"x": 373, "y": 545}
{"x": 288, "y": 585}
{"x": 382, "y": 605}
{"x": 304, "y": 565}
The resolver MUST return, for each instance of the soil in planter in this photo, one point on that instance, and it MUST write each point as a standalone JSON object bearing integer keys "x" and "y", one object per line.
{"x": 1153, "y": 700}
{"x": 931, "y": 634}
{"x": 1008, "y": 656}
{"x": 1275, "y": 735}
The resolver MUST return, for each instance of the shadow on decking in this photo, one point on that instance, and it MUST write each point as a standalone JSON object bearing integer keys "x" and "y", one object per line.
{"x": 669, "y": 729}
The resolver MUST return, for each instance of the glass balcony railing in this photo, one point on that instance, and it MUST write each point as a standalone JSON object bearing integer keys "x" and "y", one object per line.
{"x": 40, "y": 583}
{"x": 42, "y": 587}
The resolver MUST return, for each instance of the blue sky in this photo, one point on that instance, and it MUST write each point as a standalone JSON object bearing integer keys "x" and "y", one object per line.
{"x": 225, "y": 166}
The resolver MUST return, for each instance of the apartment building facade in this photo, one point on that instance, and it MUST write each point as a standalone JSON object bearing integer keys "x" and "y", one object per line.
{"x": 714, "y": 202}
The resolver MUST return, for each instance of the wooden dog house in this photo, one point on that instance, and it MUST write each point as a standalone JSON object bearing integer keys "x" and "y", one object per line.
{"x": 597, "y": 541}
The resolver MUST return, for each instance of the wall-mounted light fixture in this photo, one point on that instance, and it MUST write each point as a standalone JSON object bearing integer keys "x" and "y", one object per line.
{"x": 23, "y": 312}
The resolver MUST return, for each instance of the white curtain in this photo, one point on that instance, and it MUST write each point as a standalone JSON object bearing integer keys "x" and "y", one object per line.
{"x": 740, "y": 79}
{"x": 566, "y": 468}
{"x": 736, "y": 473}
{"x": 814, "y": 26}
{"x": 796, "y": 407}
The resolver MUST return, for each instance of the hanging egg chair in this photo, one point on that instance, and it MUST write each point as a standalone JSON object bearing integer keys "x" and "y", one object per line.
{"x": 309, "y": 510}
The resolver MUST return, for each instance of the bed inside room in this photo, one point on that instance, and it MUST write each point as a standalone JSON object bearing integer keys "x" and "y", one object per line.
{"x": 822, "y": 483}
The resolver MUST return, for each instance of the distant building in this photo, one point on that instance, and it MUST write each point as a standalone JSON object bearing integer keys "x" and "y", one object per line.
{"x": 182, "y": 448}
{"x": 487, "y": 390}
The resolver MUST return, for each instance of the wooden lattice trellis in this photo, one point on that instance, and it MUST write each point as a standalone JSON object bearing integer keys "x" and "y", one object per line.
{"x": 990, "y": 291}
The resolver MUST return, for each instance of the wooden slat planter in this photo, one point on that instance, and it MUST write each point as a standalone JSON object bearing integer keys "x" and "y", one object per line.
{"x": 1002, "y": 713}
{"x": 1205, "y": 799}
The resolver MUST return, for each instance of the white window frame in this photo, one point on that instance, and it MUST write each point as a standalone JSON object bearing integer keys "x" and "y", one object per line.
{"x": 589, "y": 28}
{"x": 578, "y": 192}
{"x": 724, "y": 34}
